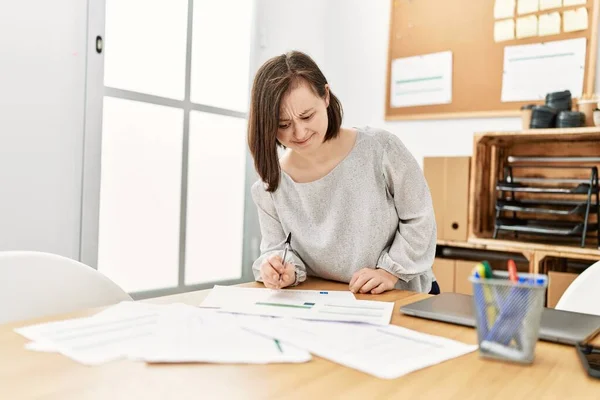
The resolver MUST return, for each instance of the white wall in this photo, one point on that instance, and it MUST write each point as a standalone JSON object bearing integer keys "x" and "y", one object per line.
{"x": 351, "y": 47}
{"x": 42, "y": 98}
{"x": 283, "y": 25}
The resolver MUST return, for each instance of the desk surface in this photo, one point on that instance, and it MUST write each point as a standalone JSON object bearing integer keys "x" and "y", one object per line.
{"x": 556, "y": 373}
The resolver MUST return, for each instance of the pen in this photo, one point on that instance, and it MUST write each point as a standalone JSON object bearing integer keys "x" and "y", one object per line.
{"x": 285, "y": 250}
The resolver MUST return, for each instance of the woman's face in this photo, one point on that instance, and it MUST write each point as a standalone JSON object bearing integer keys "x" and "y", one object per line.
{"x": 303, "y": 119}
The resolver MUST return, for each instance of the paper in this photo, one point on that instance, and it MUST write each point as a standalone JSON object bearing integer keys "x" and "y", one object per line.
{"x": 549, "y": 24}
{"x": 567, "y": 3}
{"x": 98, "y": 339}
{"x": 576, "y": 20}
{"x": 504, "y": 9}
{"x": 282, "y": 305}
{"x": 385, "y": 352}
{"x": 549, "y": 4}
{"x": 527, "y": 6}
{"x": 227, "y": 296}
{"x": 504, "y": 30}
{"x": 531, "y": 71}
{"x": 527, "y": 27}
{"x": 196, "y": 335}
{"x": 422, "y": 80}
{"x": 158, "y": 333}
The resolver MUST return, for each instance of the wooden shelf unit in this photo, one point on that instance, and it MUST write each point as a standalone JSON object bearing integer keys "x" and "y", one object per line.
{"x": 490, "y": 151}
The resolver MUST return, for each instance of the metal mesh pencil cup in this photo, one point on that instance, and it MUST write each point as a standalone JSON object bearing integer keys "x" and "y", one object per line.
{"x": 508, "y": 315}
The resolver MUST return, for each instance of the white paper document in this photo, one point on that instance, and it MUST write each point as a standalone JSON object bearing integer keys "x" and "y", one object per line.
{"x": 98, "y": 339}
{"x": 158, "y": 333}
{"x": 567, "y": 3}
{"x": 527, "y": 6}
{"x": 422, "y": 80}
{"x": 227, "y": 296}
{"x": 527, "y": 27}
{"x": 504, "y": 30}
{"x": 282, "y": 305}
{"x": 576, "y": 20}
{"x": 504, "y": 9}
{"x": 549, "y": 24}
{"x": 195, "y": 335}
{"x": 534, "y": 70}
{"x": 383, "y": 351}
{"x": 549, "y": 4}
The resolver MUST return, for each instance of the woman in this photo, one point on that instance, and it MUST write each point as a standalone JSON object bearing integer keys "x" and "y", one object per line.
{"x": 355, "y": 200}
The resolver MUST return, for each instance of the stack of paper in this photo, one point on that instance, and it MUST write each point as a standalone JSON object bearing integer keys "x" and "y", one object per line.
{"x": 240, "y": 325}
{"x": 158, "y": 333}
{"x": 188, "y": 334}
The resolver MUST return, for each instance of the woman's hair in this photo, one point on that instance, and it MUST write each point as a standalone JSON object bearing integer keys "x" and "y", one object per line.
{"x": 272, "y": 81}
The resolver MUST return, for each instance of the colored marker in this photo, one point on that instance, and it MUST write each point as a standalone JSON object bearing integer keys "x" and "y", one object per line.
{"x": 512, "y": 271}
{"x": 484, "y": 270}
{"x": 488, "y": 269}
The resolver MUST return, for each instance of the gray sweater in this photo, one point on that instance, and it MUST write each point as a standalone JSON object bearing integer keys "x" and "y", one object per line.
{"x": 372, "y": 210}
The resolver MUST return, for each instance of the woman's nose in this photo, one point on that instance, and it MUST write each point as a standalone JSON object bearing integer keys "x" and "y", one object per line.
{"x": 299, "y": 130}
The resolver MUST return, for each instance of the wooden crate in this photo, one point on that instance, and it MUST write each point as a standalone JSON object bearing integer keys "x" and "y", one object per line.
{"x": 490, "y": 152}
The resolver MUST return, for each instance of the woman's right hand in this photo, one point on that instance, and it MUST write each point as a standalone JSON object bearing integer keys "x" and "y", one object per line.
{"x": 275, "y": 275}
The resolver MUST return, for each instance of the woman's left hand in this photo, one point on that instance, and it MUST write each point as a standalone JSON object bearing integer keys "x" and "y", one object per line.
{"x": 372, "y": 280}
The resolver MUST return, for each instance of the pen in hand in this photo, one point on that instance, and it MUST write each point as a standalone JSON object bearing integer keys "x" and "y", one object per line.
{"x": 285, "y": 250}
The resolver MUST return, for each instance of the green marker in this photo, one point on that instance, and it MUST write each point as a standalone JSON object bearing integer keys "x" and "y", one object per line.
{"x": 488, "y": 269}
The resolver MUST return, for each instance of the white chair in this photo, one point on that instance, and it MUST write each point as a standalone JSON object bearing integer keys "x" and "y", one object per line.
{"x": 583, "y": 294}
{"x": 34, "y": 284}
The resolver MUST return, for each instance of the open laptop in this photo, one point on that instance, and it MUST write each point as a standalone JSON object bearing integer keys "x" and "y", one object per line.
{"x": 556, "y": 325}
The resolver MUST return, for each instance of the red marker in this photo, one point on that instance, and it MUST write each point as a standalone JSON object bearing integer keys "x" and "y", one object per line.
{"x": 512, "y": 271}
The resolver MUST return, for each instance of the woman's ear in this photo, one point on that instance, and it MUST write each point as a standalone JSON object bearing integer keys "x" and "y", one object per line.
{"x": 326, "y": 95}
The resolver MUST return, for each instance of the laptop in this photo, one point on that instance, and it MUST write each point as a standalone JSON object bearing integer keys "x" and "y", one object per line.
{"x": 556, "y": 325}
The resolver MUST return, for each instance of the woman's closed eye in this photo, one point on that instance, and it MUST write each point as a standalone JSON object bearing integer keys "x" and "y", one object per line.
{"x": 306, "y": 118}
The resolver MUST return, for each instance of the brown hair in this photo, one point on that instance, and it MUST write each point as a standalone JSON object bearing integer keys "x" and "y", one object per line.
{"x": 271, "y": 83}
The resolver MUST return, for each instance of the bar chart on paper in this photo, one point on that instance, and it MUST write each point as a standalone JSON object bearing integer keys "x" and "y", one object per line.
{"x": 307, "y": 304}
{"x": 531, "y": 71}
{"x": 422, "y": 80}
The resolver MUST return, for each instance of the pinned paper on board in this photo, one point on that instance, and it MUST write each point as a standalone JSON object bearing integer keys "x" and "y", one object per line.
{"x": 550, "y": 4}
{"x": 527, "y": 27}
{"x": 549, "y": 24}
{"x": 422, "y": 80}
{"x": 504, "y": 30}
{"x": 576, "y": 20}
{"x": 567, "y": 3}
{"x": 527, "y": 6}
{"x": 533, "y": 70}
{"x": 504, "y": 9}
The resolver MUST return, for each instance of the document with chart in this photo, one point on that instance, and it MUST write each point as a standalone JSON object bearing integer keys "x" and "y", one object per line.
{"x": 287, "y": 303}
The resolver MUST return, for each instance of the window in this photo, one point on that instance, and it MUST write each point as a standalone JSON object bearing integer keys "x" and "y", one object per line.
{"x": 174, "y": 152}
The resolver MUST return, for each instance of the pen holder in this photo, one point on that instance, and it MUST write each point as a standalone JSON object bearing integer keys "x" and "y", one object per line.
{"x": 508, "y": 315}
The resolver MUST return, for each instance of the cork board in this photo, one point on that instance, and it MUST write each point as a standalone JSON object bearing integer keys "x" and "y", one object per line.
{"x": 466, "y": 28}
